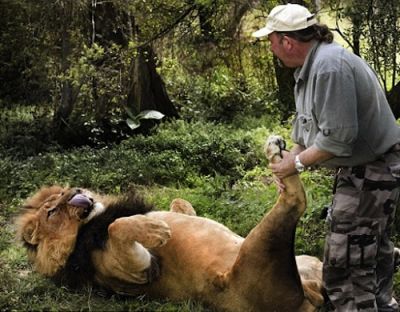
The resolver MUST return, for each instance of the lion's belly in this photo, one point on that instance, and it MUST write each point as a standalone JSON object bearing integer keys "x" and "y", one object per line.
{"x": 199, "y": 250}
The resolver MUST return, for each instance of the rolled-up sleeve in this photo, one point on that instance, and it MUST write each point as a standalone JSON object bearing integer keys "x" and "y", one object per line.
{"x": 335, "y": 108}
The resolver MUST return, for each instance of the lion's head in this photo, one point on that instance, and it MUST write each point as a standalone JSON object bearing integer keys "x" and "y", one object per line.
{"x": 49, "y": 225}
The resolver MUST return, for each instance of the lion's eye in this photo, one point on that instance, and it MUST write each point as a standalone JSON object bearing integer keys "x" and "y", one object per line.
{"x": 51, "y": 212}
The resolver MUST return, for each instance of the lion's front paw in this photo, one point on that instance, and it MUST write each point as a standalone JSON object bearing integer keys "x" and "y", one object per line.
{"x": 273, "y": 146}
{"x": 147, "y": 231}
{"x": 155, "y": 233}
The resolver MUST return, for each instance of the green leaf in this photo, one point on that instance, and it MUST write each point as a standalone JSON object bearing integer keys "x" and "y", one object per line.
{"x": 130, "y": 113}
{"x": 150, "y": 114}
{"x": 133, "y": 124}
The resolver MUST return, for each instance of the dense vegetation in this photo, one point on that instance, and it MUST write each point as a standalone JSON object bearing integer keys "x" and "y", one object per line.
{"x": 73, "y": 72}
{"x": 220, "y": 169}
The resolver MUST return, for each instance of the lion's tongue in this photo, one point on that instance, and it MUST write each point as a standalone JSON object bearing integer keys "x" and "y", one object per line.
{"x": 80, "y": 200}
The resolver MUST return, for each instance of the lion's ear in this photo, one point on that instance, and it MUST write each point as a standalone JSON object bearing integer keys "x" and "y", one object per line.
{"x": 36, "y": 200}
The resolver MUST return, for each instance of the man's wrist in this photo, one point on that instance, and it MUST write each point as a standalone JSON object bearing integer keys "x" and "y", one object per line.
{"x": 298, "y": 164}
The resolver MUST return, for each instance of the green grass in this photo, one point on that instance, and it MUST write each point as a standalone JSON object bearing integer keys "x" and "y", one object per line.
{"x": 236, "y": 190}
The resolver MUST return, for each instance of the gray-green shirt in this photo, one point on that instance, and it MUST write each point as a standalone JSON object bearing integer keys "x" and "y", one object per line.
{"x": 341, "y": 107}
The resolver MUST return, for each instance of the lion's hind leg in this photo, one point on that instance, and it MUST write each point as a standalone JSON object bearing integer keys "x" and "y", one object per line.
{"x": 180, "y": 205}
{"x": 266, "y": 258}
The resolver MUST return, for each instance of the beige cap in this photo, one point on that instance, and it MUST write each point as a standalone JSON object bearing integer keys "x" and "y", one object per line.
{"x": 288, "y": 17}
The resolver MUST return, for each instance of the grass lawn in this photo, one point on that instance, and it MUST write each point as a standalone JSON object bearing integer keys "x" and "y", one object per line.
{"x": 237, "y": 193}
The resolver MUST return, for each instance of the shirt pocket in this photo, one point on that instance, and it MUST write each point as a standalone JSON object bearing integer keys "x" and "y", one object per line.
{"x": 305, "y": 122}
{"x": 308, "y": 129}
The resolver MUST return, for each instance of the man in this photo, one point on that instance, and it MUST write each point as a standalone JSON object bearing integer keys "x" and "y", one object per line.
{"x": 343, "y": 121}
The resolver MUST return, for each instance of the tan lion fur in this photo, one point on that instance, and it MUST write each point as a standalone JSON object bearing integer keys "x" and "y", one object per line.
{"x": 200, "y": 259}
{"x": 53, "y": 241}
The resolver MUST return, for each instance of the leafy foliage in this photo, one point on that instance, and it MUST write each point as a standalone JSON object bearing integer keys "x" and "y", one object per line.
{"x": 372, "y": 33}
{"x": 82, "y": 66}
{"x": 134, "y": 121}
{"x": 220, "y": 95}
{"x": 175, "y": 154}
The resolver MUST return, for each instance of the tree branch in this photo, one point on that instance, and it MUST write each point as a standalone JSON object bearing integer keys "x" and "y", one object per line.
{"x": 163, "y": 32}
{"x": 337, "y": 29}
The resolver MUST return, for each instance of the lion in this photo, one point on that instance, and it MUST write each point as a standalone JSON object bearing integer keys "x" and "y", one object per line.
{"x": 78, "y": 237}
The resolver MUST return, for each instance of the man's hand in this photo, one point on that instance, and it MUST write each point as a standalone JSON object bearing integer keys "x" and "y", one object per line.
{"x": 284, "y": 168}
{"x": 279, "y": 184}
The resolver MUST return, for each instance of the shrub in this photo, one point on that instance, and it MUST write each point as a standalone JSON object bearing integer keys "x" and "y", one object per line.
{"x": 218, "y": 95}
{"x": 175, "y": 154}
{"x": 203, "y": 148}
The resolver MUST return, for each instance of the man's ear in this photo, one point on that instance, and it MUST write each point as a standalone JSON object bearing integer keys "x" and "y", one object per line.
{"x": 287, "y": 42}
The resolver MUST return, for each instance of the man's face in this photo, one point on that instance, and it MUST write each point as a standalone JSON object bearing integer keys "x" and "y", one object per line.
{"x": 281, "y": 47}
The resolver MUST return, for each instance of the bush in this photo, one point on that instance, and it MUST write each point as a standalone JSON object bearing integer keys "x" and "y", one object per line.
{"x": 218, "y": 95}
{"x": 202, "y": 148}
{"x": 175, "y": 154}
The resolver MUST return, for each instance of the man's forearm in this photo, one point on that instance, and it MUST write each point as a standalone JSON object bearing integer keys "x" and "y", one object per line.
{"x": 297, "y": 149}
{"x": 312, "y": 155}
{"x": 308, "y": 157}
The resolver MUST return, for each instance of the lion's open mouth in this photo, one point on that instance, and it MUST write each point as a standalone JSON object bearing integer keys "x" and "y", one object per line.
{"x": 82, "y": 201}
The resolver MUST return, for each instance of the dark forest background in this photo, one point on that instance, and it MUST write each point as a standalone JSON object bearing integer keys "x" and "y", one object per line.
{"x": 73, "y": 72}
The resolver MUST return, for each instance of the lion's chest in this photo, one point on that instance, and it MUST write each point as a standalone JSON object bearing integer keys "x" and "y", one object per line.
{"x": 198, "y": 250}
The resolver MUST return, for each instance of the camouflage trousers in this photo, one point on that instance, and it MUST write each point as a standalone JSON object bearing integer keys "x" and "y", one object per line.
{"x": 358, "y": 258}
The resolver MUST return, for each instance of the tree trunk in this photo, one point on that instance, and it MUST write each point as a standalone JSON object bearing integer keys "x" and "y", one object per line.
{"x": 147, "y": 89}
{"x": 110, "y": 25}
{"x": 238, "y": 10}
{"x": 357, "y": 25}
{"x": 68, "y": 94}
{"x": 205, "y": 14}
{"x": 394, "y": 100}
{"x": 285, "y": 81}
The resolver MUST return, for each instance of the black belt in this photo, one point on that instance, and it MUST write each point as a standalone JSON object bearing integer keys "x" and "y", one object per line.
{"x": 360, "y": 168}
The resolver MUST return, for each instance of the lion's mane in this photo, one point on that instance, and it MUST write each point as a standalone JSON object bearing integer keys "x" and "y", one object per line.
{"x": 79, "y": 270}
